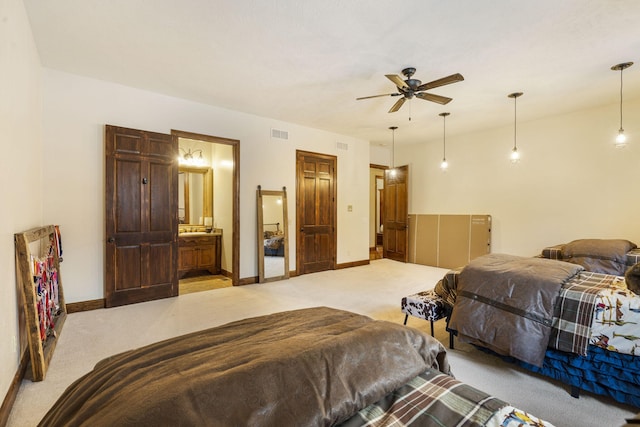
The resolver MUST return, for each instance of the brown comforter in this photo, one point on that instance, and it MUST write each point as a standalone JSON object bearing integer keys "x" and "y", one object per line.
{"x": 306, "y": 367}
{"x": 506, "y": 303}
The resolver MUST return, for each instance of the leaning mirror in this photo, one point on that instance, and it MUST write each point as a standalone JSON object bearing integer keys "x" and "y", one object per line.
{"x": 273, "y": 246}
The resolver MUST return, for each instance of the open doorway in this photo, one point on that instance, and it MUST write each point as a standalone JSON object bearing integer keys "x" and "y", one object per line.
{"x": 208, "y": 212}
{"x": 376, "y": 211}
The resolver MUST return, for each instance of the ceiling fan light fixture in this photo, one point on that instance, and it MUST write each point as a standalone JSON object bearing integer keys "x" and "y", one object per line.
{"x": 410, "y": 88}
{"x": 515, "y": 155}
{"x": 621, "y": 138}
{"x": 444, "y": 165}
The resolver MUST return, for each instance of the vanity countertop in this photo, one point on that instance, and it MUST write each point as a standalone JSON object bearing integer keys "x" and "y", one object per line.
{"x": 191, "y": 230}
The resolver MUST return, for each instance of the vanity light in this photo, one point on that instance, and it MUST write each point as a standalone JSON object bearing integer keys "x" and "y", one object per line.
{"x": 444, "y": 165}
{"x": 393, "y": 149}
{"x": 621, "y": 139}
{"x": 515, "y": 155}
{"x": 188, "y": 158}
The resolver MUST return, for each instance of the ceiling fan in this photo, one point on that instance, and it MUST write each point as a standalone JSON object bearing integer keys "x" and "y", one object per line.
{"x": 413, "y": 87}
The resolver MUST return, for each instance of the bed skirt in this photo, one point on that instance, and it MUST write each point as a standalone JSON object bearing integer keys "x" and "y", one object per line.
{"x": 601, "y": 372}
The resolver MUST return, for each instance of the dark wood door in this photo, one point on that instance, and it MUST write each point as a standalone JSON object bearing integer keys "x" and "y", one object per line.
{"x": 396, "y": 217}
{"x": 141, "y": 219}
{"x": 316, "y": 212}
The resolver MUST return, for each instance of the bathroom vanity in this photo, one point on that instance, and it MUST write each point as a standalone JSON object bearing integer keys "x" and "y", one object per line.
{"x": 199, "y": 251}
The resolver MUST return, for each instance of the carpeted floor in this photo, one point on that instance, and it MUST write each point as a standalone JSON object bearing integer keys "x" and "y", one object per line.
{"x": 374, "y": 290}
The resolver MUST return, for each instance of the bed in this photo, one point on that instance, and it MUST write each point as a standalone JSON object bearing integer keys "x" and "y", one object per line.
{"x": 551, "y": 317}
{"x": 302, "y": 367}
{"x": 274, "y": 241}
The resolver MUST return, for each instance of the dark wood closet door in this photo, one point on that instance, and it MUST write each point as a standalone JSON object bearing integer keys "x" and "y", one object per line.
{"x": 316, "y": 212}
{"x": 396, "y": 217}
{"x": 141, "y": 219}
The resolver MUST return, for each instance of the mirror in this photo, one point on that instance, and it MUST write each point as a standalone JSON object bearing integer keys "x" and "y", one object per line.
{"x": 273, "y": 233}
{"x": 195, "y": 196}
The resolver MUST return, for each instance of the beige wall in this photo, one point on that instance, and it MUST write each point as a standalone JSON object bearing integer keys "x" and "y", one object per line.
{"x": 571, "y": 183}
{"x": 223, "y": 200}
{"x": 75, "y": 111}
{"x": 21, "y": 168}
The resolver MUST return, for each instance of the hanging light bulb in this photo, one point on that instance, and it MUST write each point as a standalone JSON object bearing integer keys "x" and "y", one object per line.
{"x": 621, "y": 138}
{"x": 444, "y": 165}
{"x": 393, "y": 150}
{"x": 515, "y": 155}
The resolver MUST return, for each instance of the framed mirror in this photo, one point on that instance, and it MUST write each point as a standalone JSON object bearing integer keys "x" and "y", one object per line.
{"x": 195, "y": 196}
{"x": 273, "y": 235}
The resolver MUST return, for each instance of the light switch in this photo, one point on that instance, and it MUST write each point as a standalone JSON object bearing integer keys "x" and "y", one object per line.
{"x": 349, "y": 208}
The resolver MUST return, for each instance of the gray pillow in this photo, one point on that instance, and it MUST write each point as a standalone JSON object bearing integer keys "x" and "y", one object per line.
{"x": 608, "y": 256}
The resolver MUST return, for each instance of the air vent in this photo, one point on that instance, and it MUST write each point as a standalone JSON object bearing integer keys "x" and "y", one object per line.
{"x": 342, "y": 146}
{"x": 280, "y": 134}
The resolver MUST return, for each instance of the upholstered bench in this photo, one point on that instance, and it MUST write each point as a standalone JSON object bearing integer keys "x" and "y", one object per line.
{"x": 426, "y": 305}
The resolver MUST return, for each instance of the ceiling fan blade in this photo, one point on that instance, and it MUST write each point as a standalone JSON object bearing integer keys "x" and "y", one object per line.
{"x": 433, "y": 98}
{"x": 397, "y": 80}
{"x": 377, "y": 96}
{"x": 441, "y": 82}
{"x": 397, "y": 105}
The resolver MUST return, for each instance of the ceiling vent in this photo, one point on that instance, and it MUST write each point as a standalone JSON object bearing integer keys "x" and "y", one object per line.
{"x": 342, "y": 146}
{"x": 280, "y": 134}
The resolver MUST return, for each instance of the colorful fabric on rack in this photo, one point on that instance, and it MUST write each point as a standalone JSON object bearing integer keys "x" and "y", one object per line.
{"x": 46, "y": 286}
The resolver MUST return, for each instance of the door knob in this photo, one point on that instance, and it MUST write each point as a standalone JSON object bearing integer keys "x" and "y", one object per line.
{"x": 111, "y": 240}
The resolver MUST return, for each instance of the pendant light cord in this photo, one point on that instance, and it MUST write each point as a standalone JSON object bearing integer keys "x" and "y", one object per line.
{"x": 515, "y": 121}
{"x": 393, "y": 149}
{"x": 621, "y": 69}
{"x": 444, "y": 137}
{"x": 393, "y": 146}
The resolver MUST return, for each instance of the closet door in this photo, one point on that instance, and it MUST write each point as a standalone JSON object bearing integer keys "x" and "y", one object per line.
{"x": 141, "y": 220}
{"x": 396, "y": 217}
{"x": 315, "y": 212}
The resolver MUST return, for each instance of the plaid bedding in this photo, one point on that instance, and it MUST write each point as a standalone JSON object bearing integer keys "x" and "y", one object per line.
{"x": 574, "y": 311}
{"x": 437, "y": 399}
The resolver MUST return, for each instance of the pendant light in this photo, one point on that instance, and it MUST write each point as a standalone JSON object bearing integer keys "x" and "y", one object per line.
{"x": 621, "y": 139}
{"x": 393, "y": 149}
{"x": 444, "y": 165}
{"x": 515, "y": 155}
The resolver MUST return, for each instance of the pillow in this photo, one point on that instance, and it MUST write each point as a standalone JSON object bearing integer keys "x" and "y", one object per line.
{"x": 608, "y": 256}
{"x": 632, "y": 278}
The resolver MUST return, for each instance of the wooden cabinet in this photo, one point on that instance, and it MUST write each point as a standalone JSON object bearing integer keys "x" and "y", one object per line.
{"x": 199, "y": 252}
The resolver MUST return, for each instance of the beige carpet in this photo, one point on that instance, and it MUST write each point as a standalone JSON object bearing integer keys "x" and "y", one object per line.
{"x": 374, "y": 290}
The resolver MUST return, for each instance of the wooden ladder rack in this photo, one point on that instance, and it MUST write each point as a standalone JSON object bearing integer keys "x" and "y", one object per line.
{"x": 44, "y": 239}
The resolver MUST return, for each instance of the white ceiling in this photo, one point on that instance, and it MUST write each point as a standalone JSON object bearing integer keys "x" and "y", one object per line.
{"x": 306, "y": 61}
